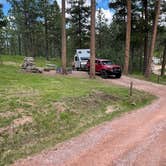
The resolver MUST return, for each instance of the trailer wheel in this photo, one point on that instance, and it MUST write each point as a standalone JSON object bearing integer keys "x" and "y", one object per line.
{"x": 104, "y": 74}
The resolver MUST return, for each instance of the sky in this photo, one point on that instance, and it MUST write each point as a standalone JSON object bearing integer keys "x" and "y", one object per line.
{"x": 103, "y": 4}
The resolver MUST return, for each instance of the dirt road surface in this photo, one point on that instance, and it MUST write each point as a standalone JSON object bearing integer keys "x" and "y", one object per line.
{"x": 135, "y": 139}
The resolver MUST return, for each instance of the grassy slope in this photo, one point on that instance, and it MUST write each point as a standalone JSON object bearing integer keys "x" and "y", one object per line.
{"x": 153, "y": 78}
{"x": 34, "y": 95}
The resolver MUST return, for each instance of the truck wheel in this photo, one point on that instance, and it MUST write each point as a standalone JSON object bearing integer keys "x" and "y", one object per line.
{"x": 104, "y": 74}
{"x": 118, "y": 75}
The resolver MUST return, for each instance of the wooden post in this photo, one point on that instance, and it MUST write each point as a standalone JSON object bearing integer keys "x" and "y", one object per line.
{"x": 131, "y": 88}
{"x": 158, "y": 79}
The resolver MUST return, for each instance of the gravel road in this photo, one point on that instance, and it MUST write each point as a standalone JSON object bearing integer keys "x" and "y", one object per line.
{"x": 135, "y": 139}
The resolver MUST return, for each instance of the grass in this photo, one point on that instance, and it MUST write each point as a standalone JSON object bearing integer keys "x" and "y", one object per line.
{"x": 60, "y": 107}
{"x": 153, "y": 78}
{"x": 18, "y": 60}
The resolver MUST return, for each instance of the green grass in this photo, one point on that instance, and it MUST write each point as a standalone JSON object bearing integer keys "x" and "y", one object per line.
{"x": 153, "y": 78}
{"x": 40, "y": 61}
{"x": 61, "y": 107}
{"x": 12, "y": 58}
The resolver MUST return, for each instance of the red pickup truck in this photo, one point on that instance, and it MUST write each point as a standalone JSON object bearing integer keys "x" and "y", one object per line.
{"x": 106, "y": 68}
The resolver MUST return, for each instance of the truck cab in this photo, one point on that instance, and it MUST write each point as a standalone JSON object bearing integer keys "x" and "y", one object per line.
{"x": 80, "y": 59}
{"x": 106, "y": 68}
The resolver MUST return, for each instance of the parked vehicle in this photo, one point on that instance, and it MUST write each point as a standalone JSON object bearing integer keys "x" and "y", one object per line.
{"x": 80, "y": 59}
{"x": 106, "y": 68}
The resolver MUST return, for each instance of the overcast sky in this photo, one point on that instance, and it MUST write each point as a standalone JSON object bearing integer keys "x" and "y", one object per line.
{"x": 103, "y": 4}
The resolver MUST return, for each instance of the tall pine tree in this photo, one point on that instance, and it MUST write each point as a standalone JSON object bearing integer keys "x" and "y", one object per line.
{"x": 36, "y": 28}
{"x": 79, "y": 25}
{"x": 2, "y": 24}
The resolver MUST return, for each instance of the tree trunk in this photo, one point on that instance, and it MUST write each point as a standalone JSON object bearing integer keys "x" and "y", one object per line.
{"x": 131, "y": 64}
{"x": 145, "y": 4}
{"x": 32, "y": 45}
{"x": 19, "y": 44}
{"x": 7, "y": 44}
{"x": 63, "y": 39}
{"x": 79, "y": 28}
{"x": 46, "y": 30}
{"x": 163, "y": 62}
{"x": 26, "y": 36}
{"x": 128, "y": 32}
{"x": 154, "y": 33}
{"x": 140, "y": 59}
{"x": 141, "y": 50}
{"x": 92, "y": 40}
{"x": 46, "y": 39}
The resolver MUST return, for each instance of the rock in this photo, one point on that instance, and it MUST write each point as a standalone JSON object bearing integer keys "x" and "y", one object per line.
{"x": 109, "y": 110}
{"x": 29, "y": 65}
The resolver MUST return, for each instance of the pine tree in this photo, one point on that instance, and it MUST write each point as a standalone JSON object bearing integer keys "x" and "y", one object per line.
{"x": 79, "y": 23}
{"x": 101, "y": 25}
{"x": 63, "y": 58}
{"x": 54, "y": 29}
{"x": 154, "y": 33}
{"x": 36, "y": 28}
{"x": 92, "y": 40}
{"x": 25, "y": 14}
{"x": 146, "y": 31}
{"x": 2, "y": 20}
{"x": 163, "y": 62}
{"x": 3, "y": 23}
{"x": 128, "y": 33}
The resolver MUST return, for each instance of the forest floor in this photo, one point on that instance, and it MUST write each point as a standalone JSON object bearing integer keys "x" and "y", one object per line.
{"x": 137, "y": 138}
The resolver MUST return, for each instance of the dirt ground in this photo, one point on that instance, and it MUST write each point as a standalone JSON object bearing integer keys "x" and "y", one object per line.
{"x": 137, "y": 138}
{"x": 78, "y": 74}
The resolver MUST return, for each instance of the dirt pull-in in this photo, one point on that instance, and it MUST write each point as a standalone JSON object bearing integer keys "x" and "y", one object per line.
{"x": 138, "y": 138}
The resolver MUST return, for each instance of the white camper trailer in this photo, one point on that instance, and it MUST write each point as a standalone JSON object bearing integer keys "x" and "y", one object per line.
{"x": 80, "y": 59}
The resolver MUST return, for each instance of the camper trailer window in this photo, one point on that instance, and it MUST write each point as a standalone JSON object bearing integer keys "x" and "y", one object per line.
{"x": 79, "y": 52}
{"x": 84, "y": 58}
{"x": 76, "y": 58}
{"x": 88, "y": 52}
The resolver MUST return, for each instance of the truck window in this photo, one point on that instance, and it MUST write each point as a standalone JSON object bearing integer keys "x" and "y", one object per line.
{"x": 107, "y": 62}
{"x": 76, "y": 58}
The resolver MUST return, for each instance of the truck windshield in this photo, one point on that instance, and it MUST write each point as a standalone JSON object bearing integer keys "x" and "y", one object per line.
{"x": 84, "y": 58}
{"x": 107, "y": 62}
